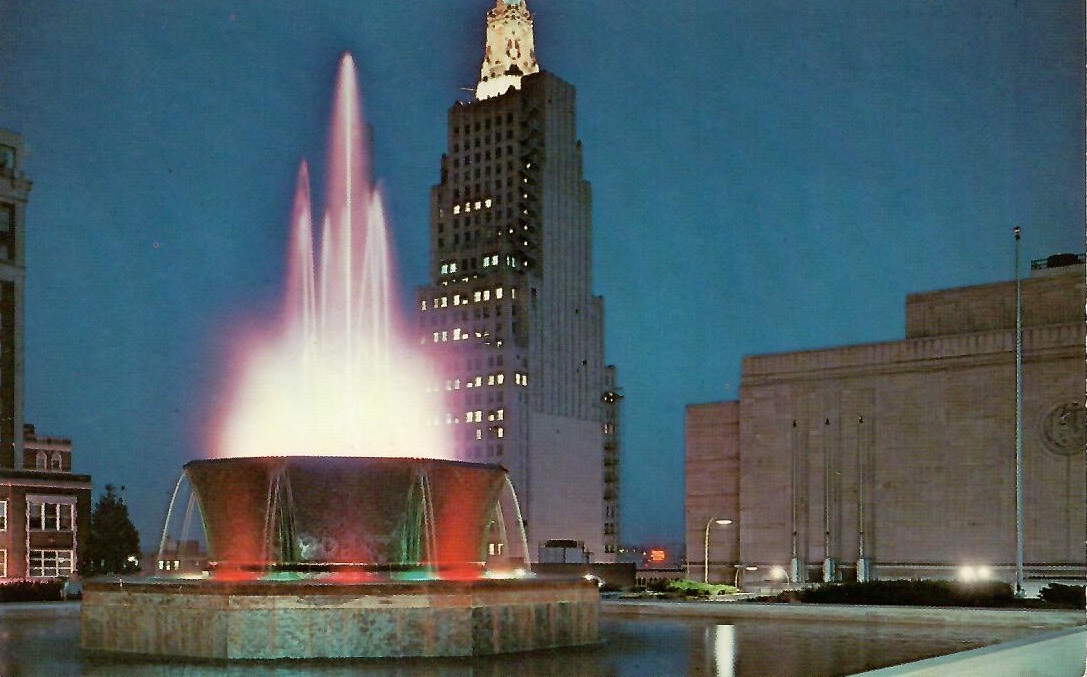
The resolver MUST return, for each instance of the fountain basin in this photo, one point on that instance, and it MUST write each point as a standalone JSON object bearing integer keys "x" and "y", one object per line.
{"x": 344, "y": 557}
{"x": 215, "y": 619}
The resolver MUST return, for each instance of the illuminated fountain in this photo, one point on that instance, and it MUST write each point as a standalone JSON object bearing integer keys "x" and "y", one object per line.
{"x": 354, "y": 532}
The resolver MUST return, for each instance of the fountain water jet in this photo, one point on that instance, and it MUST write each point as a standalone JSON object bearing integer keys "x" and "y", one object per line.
{"x": 352, "y": 533}
{"x": 337, "y": 376}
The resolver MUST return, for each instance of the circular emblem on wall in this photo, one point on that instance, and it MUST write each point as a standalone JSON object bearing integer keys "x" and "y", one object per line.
{"x": 1063, "y": 429}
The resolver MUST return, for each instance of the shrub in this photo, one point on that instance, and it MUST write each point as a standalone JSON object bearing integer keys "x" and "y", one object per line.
{"x": 31, "y": 591}
{"x": 1071, "y": 596}
{"x": 689, "y": 588}
{"x": 909, "y": 593}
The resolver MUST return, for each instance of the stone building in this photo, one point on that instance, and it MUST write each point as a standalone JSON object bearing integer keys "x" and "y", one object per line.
{"x": 510, "y": 307}
{"x": 44, "y": 507}
{"x": 897, "y": 459}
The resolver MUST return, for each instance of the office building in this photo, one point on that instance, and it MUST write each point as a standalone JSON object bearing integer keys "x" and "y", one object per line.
{"x": 509, "y": 305}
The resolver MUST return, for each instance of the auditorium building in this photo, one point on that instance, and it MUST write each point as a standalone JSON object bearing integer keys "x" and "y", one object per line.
{"x": 898, "y": 459}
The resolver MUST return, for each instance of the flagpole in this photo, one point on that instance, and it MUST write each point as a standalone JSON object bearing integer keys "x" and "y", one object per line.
{"x": 1018, "y": 420}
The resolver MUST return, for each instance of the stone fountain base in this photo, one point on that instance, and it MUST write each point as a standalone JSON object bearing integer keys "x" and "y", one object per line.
{"x": 213, "y": 619}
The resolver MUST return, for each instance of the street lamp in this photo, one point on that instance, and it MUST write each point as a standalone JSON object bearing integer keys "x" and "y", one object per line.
{"x": 706, "y": 546}
{"x": 736, "y": 580}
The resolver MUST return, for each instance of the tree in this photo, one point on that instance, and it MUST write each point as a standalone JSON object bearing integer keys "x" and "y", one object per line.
{"x": 113, "y": 546}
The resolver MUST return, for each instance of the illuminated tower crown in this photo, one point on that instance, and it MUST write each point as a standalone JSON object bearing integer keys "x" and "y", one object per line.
{"x": 510, "y": 52}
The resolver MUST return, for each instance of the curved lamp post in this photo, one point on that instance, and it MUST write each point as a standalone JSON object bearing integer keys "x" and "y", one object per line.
{"x": 706, "y": 546}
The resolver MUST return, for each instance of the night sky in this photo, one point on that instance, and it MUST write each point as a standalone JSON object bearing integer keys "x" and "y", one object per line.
{"x": 767, "y": 176}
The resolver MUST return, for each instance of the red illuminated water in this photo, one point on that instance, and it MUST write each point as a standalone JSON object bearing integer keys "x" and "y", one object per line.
{"x": 336, "y": 375}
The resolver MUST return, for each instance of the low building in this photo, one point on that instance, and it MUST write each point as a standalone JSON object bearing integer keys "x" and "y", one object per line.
{"x": 898, "y": 459}
{"x": 45, "y": 511}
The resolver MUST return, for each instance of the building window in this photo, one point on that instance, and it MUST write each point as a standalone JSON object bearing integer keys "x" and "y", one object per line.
{"x": 3, "y": 563}
{"x": 44, "y": 516}
{"x": 3, "y": 515}
{"x": 40, "y": 461}
{"x": 56, "y": 462}
{"x": 50, "y": 563}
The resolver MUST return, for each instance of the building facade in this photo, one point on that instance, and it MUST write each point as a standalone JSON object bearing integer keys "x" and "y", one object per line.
{"x": 897, "y": 459}
{"x": 44, "y": 507}
{"x": 509, "y": 306}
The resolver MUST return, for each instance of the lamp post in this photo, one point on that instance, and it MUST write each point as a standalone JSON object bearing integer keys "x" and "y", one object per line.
{"x": 706, "y": 546}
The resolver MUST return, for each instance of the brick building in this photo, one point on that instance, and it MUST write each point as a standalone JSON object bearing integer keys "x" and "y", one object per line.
{"x": 44, "y": 507}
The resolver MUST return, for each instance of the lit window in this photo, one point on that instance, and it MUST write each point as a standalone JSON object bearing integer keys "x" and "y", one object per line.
{"x": 50, "y": 563}
{"x": 445, "y": 301}
{"x": 500, "y": 378}
{"x": 477, "y": 296}
{"x": 422, "y": 305}
{"x": 479, "y": 205}
{"x": 497, "y": 294}
{"x": 456, "y": 384}
{"x": 456, "y": 334}
{"x": 445, "y": 268}
{"x": 456, "y": 209}
{"x": 445, "y": 336}
{"x": 436, "y": 337}
{"x": 490, "y": 379}
{"x": 487, "y": 202}
{"x": 453, "y": 267}
{"x": 479, "y": 381}
{"x": 486, "y": 294}
{"x": 479, "y": 433}
{"x": 500, "y": 432}
{"x": 500, "y": 414}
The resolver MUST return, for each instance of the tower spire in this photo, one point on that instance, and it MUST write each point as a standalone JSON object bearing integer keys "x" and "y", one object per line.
{"x": 510, "y": 52}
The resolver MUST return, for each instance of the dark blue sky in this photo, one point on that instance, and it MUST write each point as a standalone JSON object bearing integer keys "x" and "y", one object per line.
{"x": 767, "y": 176}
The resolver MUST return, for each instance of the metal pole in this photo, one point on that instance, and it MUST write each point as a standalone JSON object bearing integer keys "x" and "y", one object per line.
{"x": 1018, "y": 421}
{"x": 828, "y": 560}
{"x": 794, "y": 462}
{"x": 862, "y": 560}
{"x": 706, "y": 552}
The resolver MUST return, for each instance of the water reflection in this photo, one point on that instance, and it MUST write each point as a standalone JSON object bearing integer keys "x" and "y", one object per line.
{"x": 721, "y": 644}
{"x": 43, "y": 641}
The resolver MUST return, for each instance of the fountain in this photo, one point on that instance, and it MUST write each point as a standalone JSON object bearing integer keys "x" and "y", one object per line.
{"x": 355, "y": 533}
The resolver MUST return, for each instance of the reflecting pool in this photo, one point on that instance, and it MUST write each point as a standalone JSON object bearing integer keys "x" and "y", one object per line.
{"x": 42, "y": 640}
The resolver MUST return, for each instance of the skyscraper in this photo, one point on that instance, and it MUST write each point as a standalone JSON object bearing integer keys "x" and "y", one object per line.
{"x": 510, "y": 303}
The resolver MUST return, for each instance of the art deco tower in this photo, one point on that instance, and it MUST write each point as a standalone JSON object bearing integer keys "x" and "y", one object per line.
{"x": 510, "y": 302}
